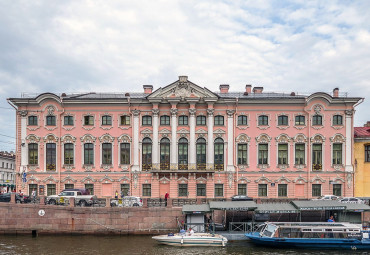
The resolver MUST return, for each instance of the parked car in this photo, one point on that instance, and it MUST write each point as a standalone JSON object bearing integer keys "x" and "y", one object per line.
{"x": 352, "y": 200}
{"x": 5, "y": 197}
{"x": 83, "y": 191}
{"x": 80, "y": 199}
{"x": 327, "y": 197}
{"x": 127, "y": 202}
{"x": 241, "y": 198}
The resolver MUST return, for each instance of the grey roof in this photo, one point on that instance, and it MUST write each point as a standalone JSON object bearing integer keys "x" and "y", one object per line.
{"x": 276, "y": 208}
{"x": 317, "y": 205}
{"x": 357, "y": 207}
{"x": 196, "y": 208}
{"x": 233, "y": 205}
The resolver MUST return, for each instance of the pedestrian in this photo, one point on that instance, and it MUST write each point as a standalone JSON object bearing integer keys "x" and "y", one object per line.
{"x": 166, "y": 196}
{"x": 116, "y": 195}
{"x": 20, "y": 193}
{"x": 33, "y": 195}
{"x": 331, "y": 219}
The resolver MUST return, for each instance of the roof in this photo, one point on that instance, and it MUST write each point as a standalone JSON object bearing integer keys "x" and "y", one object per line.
{"x": 362, "y": 132}
{"x": 203, "y": 208}
{"x": 357, "y": 207}
{"x": 233, "y": 205}
{"x": 318, "y": 205}
{"x": 276, "y": 208}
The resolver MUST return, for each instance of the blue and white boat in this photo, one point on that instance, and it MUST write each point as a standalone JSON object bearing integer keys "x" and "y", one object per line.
{"x": 196, "y": 239}
{"x": 310, "y": 235}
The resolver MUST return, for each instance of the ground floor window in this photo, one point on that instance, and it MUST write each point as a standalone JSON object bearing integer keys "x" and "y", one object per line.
{"x": 262, "y": 190}
{"x": 337, "y": 190}
{"x": 90, "y": 188}
{"x": 51, "y": 189}
{"x": 242, "y": 189}
{"x": 69, "y": 186}
{"x": 32, "y": 187}
{"x": 283, "y": 190}
{"x": 125, "y": 189}
{"x": 316, "y": 190}
{"x": 219, "y": 190}
{"x": 201, "y": 189}
{"x": 183, "y": 190}
{"x": 147, "y": 190}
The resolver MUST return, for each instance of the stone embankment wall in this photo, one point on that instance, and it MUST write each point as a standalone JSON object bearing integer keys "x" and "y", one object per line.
{"x": 29, "y": 218}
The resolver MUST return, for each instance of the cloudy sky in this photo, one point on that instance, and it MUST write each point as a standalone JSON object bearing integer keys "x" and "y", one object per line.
{"x": 115, "y": 46}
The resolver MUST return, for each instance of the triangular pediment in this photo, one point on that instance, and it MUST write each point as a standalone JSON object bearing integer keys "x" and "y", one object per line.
{"x": 165, "y": 131}
{"x": 183, "y": 89}
{"x": 201, "y": 131}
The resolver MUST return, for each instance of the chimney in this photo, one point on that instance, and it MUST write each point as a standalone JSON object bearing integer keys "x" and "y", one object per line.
{"x": 248, "y": 88}
{"x": 257, "y": 90}
{"x": 224, "y": 88}
{"x": 367, "y": 124}
{"x": 148, "y": 89}
{"x": 335, "y": 92}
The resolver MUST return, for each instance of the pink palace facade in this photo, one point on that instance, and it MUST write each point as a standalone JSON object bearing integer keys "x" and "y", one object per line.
{"x": 188, "y": 141}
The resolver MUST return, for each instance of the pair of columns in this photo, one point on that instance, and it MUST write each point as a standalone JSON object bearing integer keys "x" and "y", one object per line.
{"x": 192, "y": 140}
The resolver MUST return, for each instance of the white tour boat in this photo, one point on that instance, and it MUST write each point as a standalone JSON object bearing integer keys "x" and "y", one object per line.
{"x": 196, "y": 239}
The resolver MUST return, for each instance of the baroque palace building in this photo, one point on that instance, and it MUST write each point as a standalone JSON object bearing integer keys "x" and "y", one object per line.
{"x": 188, "y": 141}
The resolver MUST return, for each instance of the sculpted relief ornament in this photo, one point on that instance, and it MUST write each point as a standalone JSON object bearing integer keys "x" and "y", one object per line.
{"x": 210, "y": 112}
{"x": 192, "y": 111}
{"x": 173, "y": 112}
{"x": 155, "y": 112}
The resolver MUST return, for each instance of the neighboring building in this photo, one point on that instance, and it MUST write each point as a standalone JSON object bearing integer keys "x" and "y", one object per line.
{"x": 362, "y": 160}
{"x": 7, "y": 171}
{"x": 188, "y": 141}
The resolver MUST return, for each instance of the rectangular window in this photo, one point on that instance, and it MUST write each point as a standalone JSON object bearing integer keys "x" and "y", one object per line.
{"x": 299, "y": 154}
{"x": 88, "y": 120}
{"x": 337, "y": 190}
{"x": 147, "y": 120}
{"x": 106, "y": 120}
{"x": 337, "y": 154}
{"x": 107, "y": 153}
{"x": 90, "y": 188}
{"x": 125, "y": 188}
{"x": 33, "y": 153}
{"x": 242, "y": 154}
{"x": 88, "y": 154}
{"x": 201, "y": 190}
{"x": 262, "y": 154}
{"x": 317, "y": 157}
{"x": 125, "y": 120}
{"x": 183, "y": 190}
{"x": 316, "y": 190}
{"x": 51, "y": 157}
{"x": 263, "y": 120}
{"x": 282, "y": 190}
{"x": 242, "y": 189}
{"x": 68, "y": 120}
{"x": 165, "y": 120}
{"x": 367, "y": 153}
{"x": 125, "y": 153}
{"x": 50, "y": 189}
{"x": 219, "y": 120}
{"x": 262, "y": 190}
{"x": 219, "y": 190}
{"x": 68, "y": 154}
{"x": 283, "y": 154}
{"x": 69, "y": 186}
{"x": 201, "y": 120}
{"x": 337, "y": 120}
{"x": 183, "y": 120}
{"x": 283, "y": 120}
{"x": 50, "y": 120}
{"x": 32, "y": 120}
{"x": 299, "y": 120}
{"x": 147, "y": 190}
{"x": 242, "y": 120}
{"x": 32, "y": 187}
{"x": 317, "y": 120}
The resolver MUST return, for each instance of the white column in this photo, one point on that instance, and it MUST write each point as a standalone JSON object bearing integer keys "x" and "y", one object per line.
{"x": 174, "y": 139}
{"x": 348, "y": 162}
{"x": 210, "y": 146}
{"x": 155, "y": 151}
{"x": 192, "y": 148}
{"x": 230, "y": 140}
{"x": 135, "y": 149}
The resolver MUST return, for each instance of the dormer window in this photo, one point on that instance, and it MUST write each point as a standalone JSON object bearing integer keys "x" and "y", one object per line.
{"x": 50, "y": 120}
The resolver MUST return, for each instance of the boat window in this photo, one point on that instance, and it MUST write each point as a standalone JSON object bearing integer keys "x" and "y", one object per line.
{"x": 269, "y": 230}
{"x": 306, "y": 230}
{"x": 328, "y": 230}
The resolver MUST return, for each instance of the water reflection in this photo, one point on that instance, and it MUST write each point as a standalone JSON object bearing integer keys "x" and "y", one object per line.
{"x": 130, "y": 245}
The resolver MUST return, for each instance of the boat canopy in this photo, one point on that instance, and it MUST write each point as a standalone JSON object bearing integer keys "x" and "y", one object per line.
{"x": 276, "y": 208}
{"x": 233, "y": 205}
{"x": 319, "y": 205}
{"x": 196, "y": 209}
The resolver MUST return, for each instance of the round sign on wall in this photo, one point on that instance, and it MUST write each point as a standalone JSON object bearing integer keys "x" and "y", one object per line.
{"x": 41, "y": 212}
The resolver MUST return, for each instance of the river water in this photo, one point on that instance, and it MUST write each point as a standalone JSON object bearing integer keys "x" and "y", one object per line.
{"x": 95, "y": 245}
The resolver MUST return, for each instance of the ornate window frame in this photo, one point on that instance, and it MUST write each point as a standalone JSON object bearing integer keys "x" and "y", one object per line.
{"x": 35, "y": 127}
{"x": 337, "y": 138}
{"x": 124, "y": 139}
{"x": 34, "y": 139}
{"x": 283, "y": 139}
{"x": 105, "y": 127}
{"x": 51, "y": 138}
{"x": 50, "y": 112}
{"x": 300, "y": 127}
{"x": 124, "y": 127}
{"x": 88, "y": 127}
{"x": 337, "y": 127}
{"x": 263, "y": 139}
{"x": 242, "y": 139}
{"x": 300, "y": 139}
{"x": 263, "y": 127}
{"x": 282, "y": 127}
{"x": 67, "y": 138}
{"x": 319, "y": 139}
{"x": 69, "y": 127}
{"x": 87, "y": 138}
{"x": 318, "y": 108}
{"x": 242, "y": 127}
{"x": 106, "y": 138}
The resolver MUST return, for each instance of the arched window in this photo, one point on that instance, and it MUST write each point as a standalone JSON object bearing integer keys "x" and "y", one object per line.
{"x": 183, "y": 154}
{"x": 165, "y": 120}
{"x": 242, "y": 120}
{"x": 219, "y": 120}
{"x": 165, "y": 154}
{"x": 201, "y": 120}
{"x": 219, "y": 154}
{"x": 201, "y": 154}
{"x": 147, "y": 154}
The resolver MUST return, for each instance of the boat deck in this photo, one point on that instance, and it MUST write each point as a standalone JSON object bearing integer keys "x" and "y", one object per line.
{"x": 234, "y": 235}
